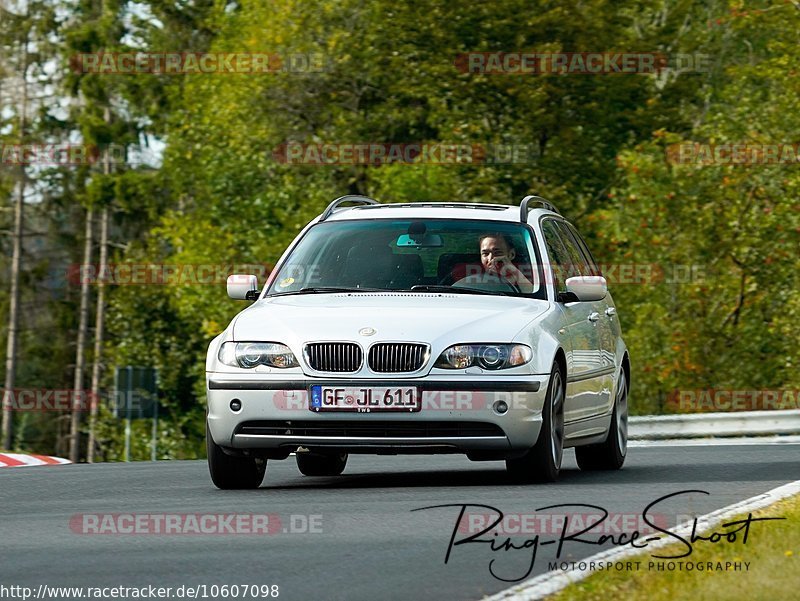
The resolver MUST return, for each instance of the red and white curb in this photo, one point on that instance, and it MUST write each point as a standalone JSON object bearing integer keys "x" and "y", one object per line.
{"x": 20, "y": 460}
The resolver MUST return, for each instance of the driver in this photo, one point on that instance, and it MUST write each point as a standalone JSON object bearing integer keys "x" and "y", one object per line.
{"x": 497, "y": 256}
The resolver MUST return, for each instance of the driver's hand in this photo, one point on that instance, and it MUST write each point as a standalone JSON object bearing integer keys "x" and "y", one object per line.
{"x": 505, "y": 269}
{"x": 496, "y": 265}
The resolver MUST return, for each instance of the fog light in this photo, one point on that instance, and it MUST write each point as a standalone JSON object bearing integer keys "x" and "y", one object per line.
{"x": 500, "y": 407}
{"x": 236, "y": 405}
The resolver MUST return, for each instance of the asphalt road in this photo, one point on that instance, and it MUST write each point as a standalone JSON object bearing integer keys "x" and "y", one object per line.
{"x": 366, "y": 542}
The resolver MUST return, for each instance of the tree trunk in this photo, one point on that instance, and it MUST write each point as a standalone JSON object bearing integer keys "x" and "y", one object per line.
{"x": 99, "y": 326}
{"x": 100, "y": 312}
{"x": 75, "y": 423}
{"x": 6, "y": 429}
{"x": 13, "y": 319}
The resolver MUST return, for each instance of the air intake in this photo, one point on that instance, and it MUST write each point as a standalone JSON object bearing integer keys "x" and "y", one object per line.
{"x": 397, "y": 357}
{"x": 338, "y": 357}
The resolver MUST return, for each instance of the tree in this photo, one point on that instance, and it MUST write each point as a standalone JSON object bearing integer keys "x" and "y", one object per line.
{"x": 23, "y": 54}
{"x": 725, "y": 311}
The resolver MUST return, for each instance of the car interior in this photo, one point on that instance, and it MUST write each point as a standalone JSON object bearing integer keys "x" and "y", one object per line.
{"x": 395, "y": 262}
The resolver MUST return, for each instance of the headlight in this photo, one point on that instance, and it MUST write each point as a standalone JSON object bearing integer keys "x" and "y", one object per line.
{"x": 252, "y": 354}
{"x": 486, "y": 356}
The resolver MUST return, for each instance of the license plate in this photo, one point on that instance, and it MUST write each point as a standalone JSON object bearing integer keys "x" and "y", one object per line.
{"x": 365, "y": 399}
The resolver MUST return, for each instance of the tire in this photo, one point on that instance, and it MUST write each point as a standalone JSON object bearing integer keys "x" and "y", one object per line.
{"x": 231, "y": 473}
{"x": 610, "y": 454}
{"x": 542, "y": 462}
{"x": 319, "y": 464}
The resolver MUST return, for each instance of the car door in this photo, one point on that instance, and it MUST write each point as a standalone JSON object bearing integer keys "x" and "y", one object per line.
{"x": 601, "y": 378}
{"x": 580, "y": 326}
{"x": 607, "y": 326}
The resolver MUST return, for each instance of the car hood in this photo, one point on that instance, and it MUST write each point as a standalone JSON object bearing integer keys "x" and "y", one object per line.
{"x": 438, "y": 319}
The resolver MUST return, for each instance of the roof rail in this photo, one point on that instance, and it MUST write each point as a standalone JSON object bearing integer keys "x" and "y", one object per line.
{"x": 357, "y": 198}
{"x": 524, "y": 208}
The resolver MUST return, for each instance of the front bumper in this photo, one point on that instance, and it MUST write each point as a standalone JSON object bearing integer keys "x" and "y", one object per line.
{"x": 457, "y": 415}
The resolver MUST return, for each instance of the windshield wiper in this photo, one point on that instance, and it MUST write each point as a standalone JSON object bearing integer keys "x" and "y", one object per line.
{"x": 417, "y": 288}
{"x": 453, "y": 290}
{"x": 330, "y": 289}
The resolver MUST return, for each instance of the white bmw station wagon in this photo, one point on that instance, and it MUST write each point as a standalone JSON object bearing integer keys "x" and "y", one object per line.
{"x": 391, "y": 329}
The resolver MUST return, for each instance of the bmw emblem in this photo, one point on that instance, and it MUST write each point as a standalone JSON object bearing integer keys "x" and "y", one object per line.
{"x": 367, "y": 331}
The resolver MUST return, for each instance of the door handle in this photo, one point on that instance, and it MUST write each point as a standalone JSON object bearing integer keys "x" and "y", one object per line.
{"x": 594, "y": 316}
{"x": 611, "y": 311}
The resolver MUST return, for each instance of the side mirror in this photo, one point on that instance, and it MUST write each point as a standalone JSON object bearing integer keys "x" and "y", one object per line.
{"x": 587, "y": 288}
{"x": 243, "y": 287}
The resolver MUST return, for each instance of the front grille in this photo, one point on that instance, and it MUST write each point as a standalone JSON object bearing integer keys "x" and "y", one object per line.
{"x": 370, "y": 429}
{"x": 342, "y": 357}
{"x": 397, "y": 357}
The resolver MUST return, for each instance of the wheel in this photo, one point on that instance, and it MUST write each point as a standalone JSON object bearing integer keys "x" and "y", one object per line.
{"x": 543, "y": 461}
{"x": 229, "y": 472}
{"x": 319, "y": 464}
{"x": 610, "y": 454}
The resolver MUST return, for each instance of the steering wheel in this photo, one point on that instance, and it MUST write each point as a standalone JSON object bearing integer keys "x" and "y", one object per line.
{"x": 479, "y": 282}
{"x": 447, "y": 280}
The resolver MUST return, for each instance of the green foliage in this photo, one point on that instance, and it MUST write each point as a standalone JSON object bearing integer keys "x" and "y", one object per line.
{"x": 734, "y": 325}
{"x": 602, "y": 143}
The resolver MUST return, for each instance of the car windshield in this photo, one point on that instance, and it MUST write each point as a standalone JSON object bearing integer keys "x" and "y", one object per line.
{"x": 418, "y": 255}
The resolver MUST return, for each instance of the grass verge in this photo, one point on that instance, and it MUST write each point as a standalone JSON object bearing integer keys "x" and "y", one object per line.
{"x": 772, "y": 550}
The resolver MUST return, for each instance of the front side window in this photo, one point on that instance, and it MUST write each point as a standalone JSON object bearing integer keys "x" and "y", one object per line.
{"x": 587, "y": 254}
{"x": 578, "y": 262}
{"x": 469, "y": 256}
{"x": 564, "y": 262}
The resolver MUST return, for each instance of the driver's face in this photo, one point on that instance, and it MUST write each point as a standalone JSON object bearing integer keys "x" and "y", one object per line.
{"x": 494, "y": 251}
